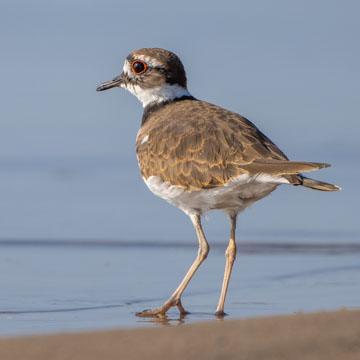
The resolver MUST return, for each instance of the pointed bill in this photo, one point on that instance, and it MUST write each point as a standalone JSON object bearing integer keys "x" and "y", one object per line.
{"x": 116, "y": 82}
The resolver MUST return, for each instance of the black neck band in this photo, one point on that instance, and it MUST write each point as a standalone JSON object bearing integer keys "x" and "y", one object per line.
{"x": 152, "y": 107}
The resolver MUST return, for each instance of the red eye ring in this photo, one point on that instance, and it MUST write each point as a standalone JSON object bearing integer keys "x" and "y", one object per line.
{"x": 138, "y": 67}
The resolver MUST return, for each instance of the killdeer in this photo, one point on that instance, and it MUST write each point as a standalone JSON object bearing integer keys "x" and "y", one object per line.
{"x": 201, "y": 157}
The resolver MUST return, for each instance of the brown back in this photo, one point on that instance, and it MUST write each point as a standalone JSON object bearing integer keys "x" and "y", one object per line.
{"x": 198, "y": 145}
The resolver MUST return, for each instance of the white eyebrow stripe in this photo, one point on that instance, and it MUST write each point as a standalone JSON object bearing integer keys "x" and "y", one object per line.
{"x": 150, "y": 61}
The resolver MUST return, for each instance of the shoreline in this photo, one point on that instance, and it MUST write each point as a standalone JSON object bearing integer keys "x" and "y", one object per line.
{"x": 305, "y": 336}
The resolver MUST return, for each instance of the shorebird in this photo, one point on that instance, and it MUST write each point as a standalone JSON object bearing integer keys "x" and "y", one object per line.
{"x": 201, "y": 157}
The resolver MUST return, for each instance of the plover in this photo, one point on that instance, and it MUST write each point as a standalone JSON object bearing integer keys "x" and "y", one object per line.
{"x": 201, "y": 157}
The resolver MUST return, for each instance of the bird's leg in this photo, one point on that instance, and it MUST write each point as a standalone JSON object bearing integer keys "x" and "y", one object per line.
{"x": 230, "y": 256}
{"x": 175, "y": 298}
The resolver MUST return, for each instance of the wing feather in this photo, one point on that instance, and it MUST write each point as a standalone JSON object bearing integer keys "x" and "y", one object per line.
{"x": 198, "y": 145}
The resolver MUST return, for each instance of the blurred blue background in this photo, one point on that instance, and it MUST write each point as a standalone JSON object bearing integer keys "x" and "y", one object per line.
{"x": 68, "y": 168}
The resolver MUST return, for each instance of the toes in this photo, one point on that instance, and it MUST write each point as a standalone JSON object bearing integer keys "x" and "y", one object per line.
{"x": 181, "y": 309}
{"x": 151, "y": 313}
{"x": 184, "y": 312}
{"x": 220, "y": 314}
{"x": 141, "y": 313}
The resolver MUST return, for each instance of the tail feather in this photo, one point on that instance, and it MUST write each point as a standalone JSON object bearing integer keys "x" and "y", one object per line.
{"x": 319, "y": 185}
{"x": 291, "y": 171}
{"x": 281, "y": 167}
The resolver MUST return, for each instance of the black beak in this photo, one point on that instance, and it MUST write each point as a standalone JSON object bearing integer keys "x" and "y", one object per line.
{"x": 110, "y": 84}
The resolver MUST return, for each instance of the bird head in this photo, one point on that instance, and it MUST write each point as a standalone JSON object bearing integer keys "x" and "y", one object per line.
{"x": 153, "y": 75}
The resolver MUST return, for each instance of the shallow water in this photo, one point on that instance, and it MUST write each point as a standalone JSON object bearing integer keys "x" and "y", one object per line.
{"x": 63, "y": 286}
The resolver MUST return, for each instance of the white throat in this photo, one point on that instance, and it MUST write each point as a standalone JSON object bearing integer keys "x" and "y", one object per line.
{"x": 157, "y": 95}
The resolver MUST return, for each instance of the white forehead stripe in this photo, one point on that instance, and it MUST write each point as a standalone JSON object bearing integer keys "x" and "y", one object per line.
{"x": 126, "y": 68}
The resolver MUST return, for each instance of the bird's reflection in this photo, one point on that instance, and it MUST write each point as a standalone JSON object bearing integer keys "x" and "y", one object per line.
{"x": 176, "y": 320}
{"x": 166, "y": 320}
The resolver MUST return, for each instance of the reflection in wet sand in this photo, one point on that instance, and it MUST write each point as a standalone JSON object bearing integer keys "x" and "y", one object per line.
{"x": 68, "y": 286}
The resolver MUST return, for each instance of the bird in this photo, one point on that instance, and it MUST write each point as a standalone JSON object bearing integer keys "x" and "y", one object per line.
{"x": 201, "y": 157}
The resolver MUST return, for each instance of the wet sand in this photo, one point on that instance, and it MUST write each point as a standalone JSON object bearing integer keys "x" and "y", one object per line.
{"x": 324, "y": 335}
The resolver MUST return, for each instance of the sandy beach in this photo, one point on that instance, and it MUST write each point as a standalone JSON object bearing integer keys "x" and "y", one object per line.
{"x": 323, "y": 335}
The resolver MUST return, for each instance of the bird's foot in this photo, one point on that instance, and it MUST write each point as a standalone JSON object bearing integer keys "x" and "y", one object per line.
{"x": 220, "y": 314}
{"x": 161, "y": 311}
{"x": 181, "y": 308}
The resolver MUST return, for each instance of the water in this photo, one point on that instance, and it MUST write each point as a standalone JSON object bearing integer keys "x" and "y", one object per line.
{"x": 62, "y": 286}
{"x": 85, "y": 245}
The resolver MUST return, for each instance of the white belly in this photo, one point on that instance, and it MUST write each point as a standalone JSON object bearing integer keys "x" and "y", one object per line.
{"x": 237, "y": 194}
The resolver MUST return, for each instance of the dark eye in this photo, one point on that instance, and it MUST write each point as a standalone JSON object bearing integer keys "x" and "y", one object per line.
{"x": 138, "y": 67}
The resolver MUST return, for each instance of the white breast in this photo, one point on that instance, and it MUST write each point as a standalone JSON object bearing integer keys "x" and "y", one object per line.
{"x": 237, "y": 194}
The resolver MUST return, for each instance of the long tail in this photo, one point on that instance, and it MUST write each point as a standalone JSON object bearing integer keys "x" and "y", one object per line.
{"x": 291, "y": 171}
{"x": 319, "y": 185}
